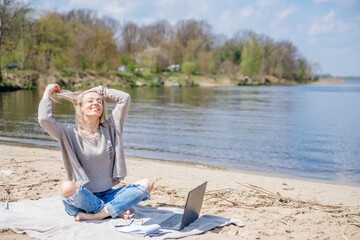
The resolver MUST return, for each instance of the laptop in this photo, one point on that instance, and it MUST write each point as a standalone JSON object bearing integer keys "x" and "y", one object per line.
{"x": 192, "y": 208}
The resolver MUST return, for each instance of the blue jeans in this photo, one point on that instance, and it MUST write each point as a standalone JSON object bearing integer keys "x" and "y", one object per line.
{"x": 116, "y": 201}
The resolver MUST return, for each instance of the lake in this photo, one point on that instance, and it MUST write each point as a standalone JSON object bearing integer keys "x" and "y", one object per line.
{"x": 303, "y": 131}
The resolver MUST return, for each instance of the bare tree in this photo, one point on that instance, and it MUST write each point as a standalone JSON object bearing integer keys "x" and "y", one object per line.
{"x": 112, "y": 25}
{"x": 156, "y": 34}
{"x": 190, "y": 38}
{"x": 190, "y": 29}
{"x": 85, "y": 16}
{"x": 285, "y": 58}
{"x": 129, "y": 38}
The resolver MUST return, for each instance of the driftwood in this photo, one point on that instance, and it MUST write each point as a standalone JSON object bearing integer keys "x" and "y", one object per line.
{"x": 297, "y": 203}
{"x": 220, "y": 195}
{"x": 266, "y": 198}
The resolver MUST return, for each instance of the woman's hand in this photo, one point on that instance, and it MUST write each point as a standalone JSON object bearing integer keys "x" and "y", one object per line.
{"x": 101, "y": 90}
{"x": 50, "y": 90}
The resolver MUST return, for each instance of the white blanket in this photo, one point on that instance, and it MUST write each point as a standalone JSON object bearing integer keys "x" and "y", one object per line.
{"x": 46, "y": 219}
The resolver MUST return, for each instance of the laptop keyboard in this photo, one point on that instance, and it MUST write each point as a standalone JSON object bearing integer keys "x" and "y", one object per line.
{"x": 172, "y": 221}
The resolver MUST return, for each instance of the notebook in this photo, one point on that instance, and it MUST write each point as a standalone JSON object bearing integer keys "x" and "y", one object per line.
{"x": 192, "y": 209}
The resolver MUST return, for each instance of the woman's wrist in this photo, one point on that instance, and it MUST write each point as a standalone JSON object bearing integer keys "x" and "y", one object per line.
{"x": 103, "y": 91}
{"x": 50, "y": 90}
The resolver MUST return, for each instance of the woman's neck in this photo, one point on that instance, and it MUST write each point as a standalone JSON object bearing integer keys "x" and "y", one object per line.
{"x": 91, "y": 125}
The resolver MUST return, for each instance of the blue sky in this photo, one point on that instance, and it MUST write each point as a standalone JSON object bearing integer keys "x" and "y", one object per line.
{"x": 326, "y": 32}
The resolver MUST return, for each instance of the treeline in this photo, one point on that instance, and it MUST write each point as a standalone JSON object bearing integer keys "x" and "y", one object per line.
{"x": 80, "y": 40}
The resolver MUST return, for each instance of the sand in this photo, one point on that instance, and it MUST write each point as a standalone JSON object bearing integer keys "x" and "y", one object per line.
{"x": 270, "y": 207}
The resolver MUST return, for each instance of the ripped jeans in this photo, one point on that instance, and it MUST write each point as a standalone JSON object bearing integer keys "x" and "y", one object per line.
{"x": 116, "y": 201}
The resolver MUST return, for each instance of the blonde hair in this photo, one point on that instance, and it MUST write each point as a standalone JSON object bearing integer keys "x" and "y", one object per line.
{"x": 76, "y": 99}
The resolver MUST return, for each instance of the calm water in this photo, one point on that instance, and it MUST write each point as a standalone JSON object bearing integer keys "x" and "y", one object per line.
{"x": 308, "y": 131}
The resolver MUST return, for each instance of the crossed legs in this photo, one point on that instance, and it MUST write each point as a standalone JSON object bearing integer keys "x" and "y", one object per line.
{"x": 68, "y": 189}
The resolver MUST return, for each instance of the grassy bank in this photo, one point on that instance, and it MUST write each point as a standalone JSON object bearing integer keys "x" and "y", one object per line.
{"x": 74, "y": 79}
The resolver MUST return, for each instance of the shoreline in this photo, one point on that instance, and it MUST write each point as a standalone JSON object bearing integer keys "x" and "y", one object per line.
{"x": 202, "y": 165}
{"x": 239, "y": 171}
{"x": 271, "y": 207}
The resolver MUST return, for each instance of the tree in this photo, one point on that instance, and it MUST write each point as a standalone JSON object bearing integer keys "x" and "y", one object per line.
{"x": 189, "y": 68}
{"x": 12, "y": 16}
{"x": 53, "y": 41}
{"x": 285, "y": 59}
{"x": 190, "y": 38}
{"x": 156, "y": 34}
{"x": 227, "y": 56}
{"x": 130, "y": 39}
{"x": 154, "y": 42}
{"x": 95, "y": 48}
{"x": 94, "y": 40}
{"x": 205, "y": 62}
{"x": 252, "y": 55}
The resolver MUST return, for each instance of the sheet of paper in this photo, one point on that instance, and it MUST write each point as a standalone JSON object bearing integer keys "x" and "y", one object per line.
{"x": 139, "y": 229}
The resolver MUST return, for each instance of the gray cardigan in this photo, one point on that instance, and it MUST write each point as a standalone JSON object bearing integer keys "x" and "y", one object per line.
{"x": 66, "y": 136}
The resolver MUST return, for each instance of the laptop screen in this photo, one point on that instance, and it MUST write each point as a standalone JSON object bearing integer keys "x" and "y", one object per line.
{"x": 193, "y": 205}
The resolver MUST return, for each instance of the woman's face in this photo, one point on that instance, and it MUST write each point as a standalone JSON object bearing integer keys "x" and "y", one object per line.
{"x": 92, "y": 104}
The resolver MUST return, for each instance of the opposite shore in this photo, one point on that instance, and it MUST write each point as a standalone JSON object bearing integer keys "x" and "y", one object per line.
{"x": 84, "y": 79}
{"x": 270, "y": 207}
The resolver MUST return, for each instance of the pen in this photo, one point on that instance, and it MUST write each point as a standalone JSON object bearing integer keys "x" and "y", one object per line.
{"x": 126, "y": 224}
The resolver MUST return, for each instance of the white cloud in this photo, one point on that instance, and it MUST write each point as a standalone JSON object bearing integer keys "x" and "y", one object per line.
{"x": 110, "y": 9}
{"x": 340, "y": 2}
{"x": 326, "y": 25}
{"x": 320, "y": 1}
{"x": 266, "y": 3}
{"x": 285, "y": 13}
{"x": 82, "y": 2}
{"x": 329, "y": 16}
{"x": 231, "y": 20}
{"x": 246, "y": 12}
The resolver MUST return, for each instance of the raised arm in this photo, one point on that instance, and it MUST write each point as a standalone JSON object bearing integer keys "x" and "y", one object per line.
{"x": 45, "y": 118}
{"x": 121, "y": 110}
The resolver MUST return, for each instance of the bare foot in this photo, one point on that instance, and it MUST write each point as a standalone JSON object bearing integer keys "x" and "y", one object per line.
{"x": 100, "y": 215}
{"x": 84, "y": 216}
{"x": 125, "y": 215}
{"x": 92, "y": 216}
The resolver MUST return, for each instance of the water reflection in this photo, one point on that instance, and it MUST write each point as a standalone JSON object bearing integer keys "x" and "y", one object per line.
{"x": 309, "y": 131}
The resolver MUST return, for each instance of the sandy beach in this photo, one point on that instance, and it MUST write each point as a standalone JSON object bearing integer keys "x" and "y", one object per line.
{"x": 270, "y": 207}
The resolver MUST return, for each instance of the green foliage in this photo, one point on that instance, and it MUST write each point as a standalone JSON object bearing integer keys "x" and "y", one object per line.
{"x": 132, "y": 65}
{"x": 53, "y": 41}
{"x": 66, "y": 73}
{"x": 80, "y": 40}
{"x": 126, "y": 74}
{"x": 84, "y": 64}
{"x": 148, "y": 75}
{"x": 148, "y": 61}
{"x": 205, "y": 63}
{"x": 102, "y": 66}
{"x": 193, "y": 48}
{"x": 231, "y": 51}
{"x": 251, "y": 57}
{"x": 189, "y": 68}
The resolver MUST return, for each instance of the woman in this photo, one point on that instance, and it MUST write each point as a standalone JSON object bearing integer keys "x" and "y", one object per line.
{"x": 93, "y": 154}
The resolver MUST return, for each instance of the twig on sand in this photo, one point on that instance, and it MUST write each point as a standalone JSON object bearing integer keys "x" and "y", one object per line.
{"x": 219, "y": 194}
{"x": 269, "y": 193}
{"x": 220, "y": 190}
{"x": 281, "y": 220}
{"x": 295, "y": 202}
{"x": 353, "y": 221}
{"x": 343, "y": 236}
